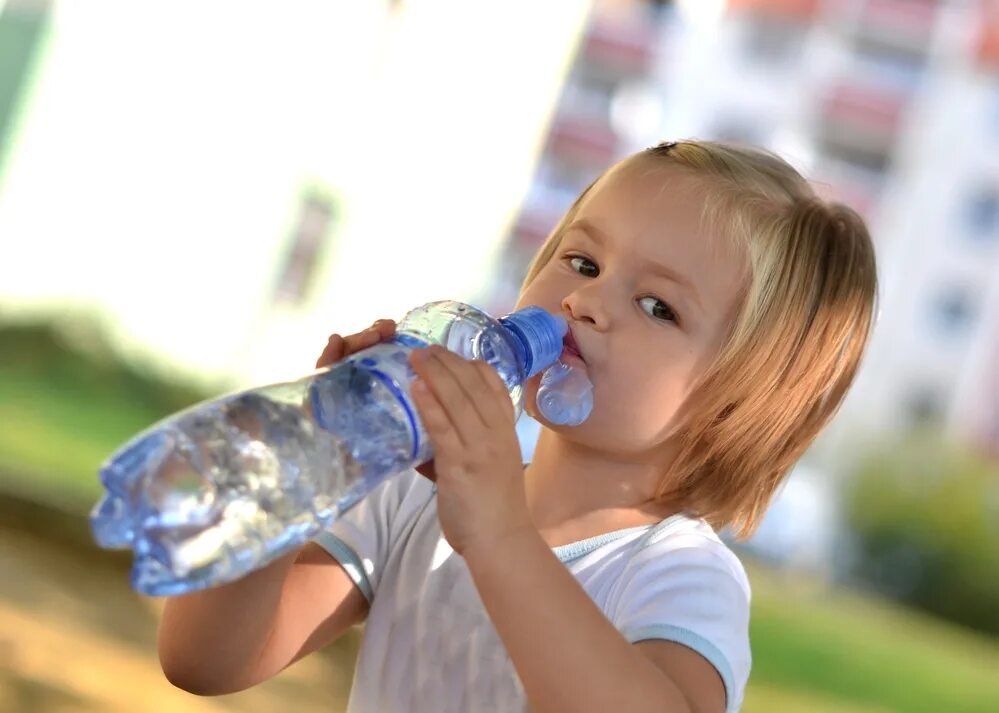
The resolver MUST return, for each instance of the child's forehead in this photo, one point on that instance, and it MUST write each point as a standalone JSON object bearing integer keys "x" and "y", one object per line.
{"x": 650, "y": 181}
{"x": 646, "y": 191}
{"x": 655, "y": 198}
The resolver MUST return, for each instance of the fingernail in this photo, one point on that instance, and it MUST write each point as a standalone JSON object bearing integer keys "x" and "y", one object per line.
{"x": 420, "y": 354}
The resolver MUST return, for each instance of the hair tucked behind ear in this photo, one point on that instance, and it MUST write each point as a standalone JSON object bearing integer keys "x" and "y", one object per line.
{"x": 795, "y": 345}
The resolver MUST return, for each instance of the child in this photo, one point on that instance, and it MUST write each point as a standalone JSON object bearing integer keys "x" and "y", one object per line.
{"x": 721, "y": 310}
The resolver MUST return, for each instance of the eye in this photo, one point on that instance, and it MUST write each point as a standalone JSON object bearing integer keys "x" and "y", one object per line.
{"x": 659, "y": 309}
{"x": 583, "y": 265}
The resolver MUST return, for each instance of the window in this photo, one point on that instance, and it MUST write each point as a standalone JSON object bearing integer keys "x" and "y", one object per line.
{"x": 982, "y": 215}
{"x": 772, "y": 41}
{"x": 924, "y": 407}
{"x": 306, "y": 248}
{"x": 954, "y": 310}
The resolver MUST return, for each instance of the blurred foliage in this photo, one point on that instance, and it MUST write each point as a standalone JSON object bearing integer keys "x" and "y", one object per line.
{"x": 925, "y": 514}
{"x": 66, "y": 401}
{"x": 833, "y": 649}
{"x": 40, "y": 350}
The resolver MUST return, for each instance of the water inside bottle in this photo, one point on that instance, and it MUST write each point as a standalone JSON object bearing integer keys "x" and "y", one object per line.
{"x": 228, "y": 486}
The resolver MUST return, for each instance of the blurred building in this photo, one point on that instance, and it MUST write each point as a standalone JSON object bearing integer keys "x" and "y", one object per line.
{"x": 614, "y": 70}
{"x": 936, "y": 221}
{"x": 891, "y": 106}
{"x": 224, "y": 185}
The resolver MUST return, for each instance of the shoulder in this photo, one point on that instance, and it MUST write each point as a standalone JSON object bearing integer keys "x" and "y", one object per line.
{"x": 367, "y": 533}
{"x": 687, "y": 543}
{"x": 684, "y": 587}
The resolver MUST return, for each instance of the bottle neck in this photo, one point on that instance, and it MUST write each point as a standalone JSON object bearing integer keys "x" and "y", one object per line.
{"x": 520, "y": 344}
{"x": 537, "y": 337}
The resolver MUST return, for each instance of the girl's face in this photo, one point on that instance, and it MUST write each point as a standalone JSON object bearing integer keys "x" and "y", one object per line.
{"x": 648, "y": 294}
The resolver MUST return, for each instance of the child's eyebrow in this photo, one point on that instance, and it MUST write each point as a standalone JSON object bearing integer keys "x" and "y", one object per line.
{"x": 600, "y": 238}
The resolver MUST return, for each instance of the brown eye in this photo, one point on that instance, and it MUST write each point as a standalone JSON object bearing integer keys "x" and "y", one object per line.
{"x": 584, "y": 266}
{"x": 660, "y": 310}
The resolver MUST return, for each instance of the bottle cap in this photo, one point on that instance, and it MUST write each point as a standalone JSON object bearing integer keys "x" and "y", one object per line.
{"x": 539, "y": 334}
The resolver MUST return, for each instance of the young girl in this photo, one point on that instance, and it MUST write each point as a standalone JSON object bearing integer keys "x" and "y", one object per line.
{"x": 721, "y": 310}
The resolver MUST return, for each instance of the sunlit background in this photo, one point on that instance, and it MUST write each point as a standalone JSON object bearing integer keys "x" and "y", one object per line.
{"x": 194, "y": 195}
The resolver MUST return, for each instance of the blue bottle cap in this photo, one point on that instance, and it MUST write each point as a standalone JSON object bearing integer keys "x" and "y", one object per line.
{"x": 539, "y": 333}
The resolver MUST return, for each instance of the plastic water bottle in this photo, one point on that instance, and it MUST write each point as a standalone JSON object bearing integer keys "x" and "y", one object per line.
{"x": 220, "y": 489}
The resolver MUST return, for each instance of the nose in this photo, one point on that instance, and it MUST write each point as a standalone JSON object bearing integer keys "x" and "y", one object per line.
{"x": 587, "y": 304}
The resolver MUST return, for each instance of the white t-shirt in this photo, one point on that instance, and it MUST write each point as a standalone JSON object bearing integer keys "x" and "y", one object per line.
{"x": 429, "y": 644}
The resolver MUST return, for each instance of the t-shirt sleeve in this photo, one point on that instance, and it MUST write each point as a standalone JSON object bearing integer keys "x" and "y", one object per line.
{"x": 363, "y": 539}
{"x": 696, "y": 594}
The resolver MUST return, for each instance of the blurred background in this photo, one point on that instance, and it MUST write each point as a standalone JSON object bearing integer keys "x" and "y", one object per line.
{"x": 194, "y": 195}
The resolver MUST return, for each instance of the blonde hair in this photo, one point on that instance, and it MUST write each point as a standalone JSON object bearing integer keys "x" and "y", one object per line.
{"x": 795, "y": 345}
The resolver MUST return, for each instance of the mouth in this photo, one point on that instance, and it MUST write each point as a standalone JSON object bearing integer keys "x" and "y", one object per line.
{"x": 570, "y": 348}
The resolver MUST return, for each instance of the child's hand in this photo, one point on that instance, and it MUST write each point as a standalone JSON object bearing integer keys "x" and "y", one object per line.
{"x": 339, "y": 347}
{"x": 469, "y": 417}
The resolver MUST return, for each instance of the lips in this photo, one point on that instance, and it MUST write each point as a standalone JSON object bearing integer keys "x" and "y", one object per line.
{"x": 570, "y": 346}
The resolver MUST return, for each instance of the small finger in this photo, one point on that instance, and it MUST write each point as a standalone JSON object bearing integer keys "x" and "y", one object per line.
{"x": 448, "y": 392}
{"x": 498, "y": 388}
{"x": 385, "y": 327}
{"x": 362, "y": 340}
{"x": 332, "y": 353}
{"x": 435, "y": 419}
{"x": 472, "y": 378}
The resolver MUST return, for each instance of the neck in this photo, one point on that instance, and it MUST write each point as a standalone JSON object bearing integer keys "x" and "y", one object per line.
{"x": 568, "y": 481}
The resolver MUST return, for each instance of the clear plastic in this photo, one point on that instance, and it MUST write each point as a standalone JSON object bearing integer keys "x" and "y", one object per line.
{"x": 222, "y": 488}
{"x": 565, "y": 395}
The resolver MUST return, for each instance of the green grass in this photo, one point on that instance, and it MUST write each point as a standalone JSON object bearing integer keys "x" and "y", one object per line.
{"x": 844, "y": 649}
{"x": 813, "y": 649}
{"x": 65, "y": 409}
{"x": 769, "y": 698}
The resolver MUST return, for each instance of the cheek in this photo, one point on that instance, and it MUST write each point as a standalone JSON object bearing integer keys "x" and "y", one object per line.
{"x": 640, "y": 408}
{"x": 638, "y": 401}
{"x": 546, "y": 291}
{"x": 524, "y": 298}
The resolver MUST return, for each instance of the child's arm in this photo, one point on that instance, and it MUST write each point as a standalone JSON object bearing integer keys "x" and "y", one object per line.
{"x": 567, "y": 653}
{"x": 231, "y": 637}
